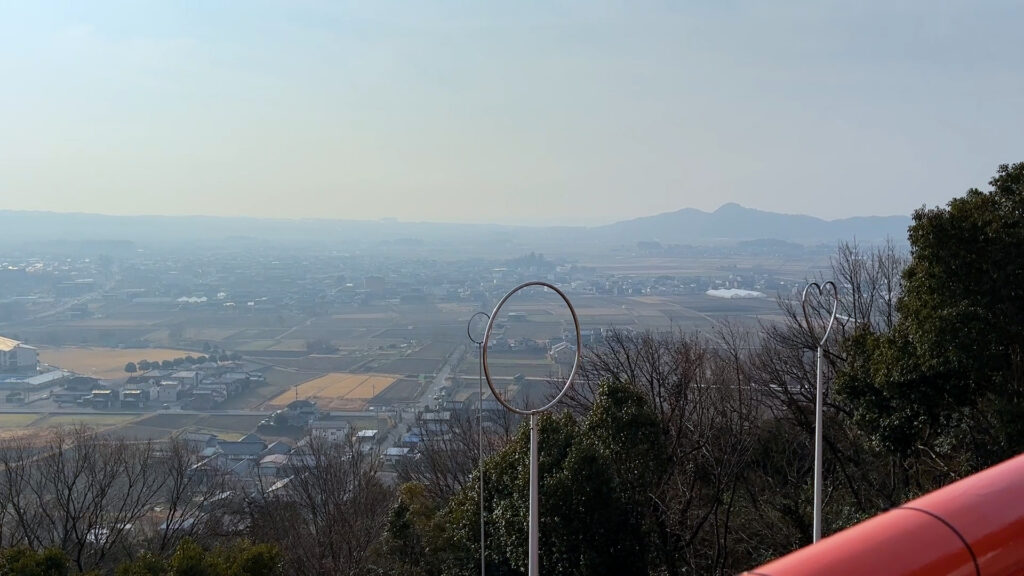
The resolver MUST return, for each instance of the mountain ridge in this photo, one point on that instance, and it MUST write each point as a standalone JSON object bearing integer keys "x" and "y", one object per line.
{"x": 735, "y": 222}
{"x": 729, "y": 223}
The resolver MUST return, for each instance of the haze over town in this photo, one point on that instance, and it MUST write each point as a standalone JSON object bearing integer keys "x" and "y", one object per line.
{"x": 249, "y": 254}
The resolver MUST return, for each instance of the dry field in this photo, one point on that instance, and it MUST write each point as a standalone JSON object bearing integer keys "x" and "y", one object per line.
{"x": 160, "y": 426}
{"x": 338, "y": 391}
{"x": 97, "y": 421}
{"x": 105, "y": 362}
{"x": 35, "y": 426}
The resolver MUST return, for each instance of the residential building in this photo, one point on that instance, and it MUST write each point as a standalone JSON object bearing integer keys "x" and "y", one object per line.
{"x": 16, "y": 356}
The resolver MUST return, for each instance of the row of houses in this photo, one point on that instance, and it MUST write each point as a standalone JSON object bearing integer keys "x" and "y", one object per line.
{"x": 254, "y": 465}
{"x": 202, "y": 388}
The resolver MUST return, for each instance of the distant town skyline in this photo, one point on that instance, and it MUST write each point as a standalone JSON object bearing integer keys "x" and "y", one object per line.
{"x": 510, "y": 113}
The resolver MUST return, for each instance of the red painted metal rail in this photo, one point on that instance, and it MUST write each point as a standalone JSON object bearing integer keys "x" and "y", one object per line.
{"x": 973, "y": 527}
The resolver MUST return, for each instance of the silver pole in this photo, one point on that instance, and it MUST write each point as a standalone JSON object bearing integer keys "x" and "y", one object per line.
{"x": 480, "y": 467}
{"x": 534, "y": 501}
{"x": 534, "y": 526}
{"x": 817, "y": 454}
{"x": 819, "y": 397}
{"x": 480, "y": 438}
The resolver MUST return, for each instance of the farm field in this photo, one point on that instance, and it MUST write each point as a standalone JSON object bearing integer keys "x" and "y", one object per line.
{"x": 414, "y": 366}
{"x": 433, "y": 350}
{"x": 326, "y": 363}
{"x": 104, "y": 362}
{"x": 404, "y": 390}
{"x": 160, "y": 426}
{"x": 11, "y": 421}
{"x": 277, "y": 381}
{"x": 97, "y": 421}
{"x": 25, "y": 425}
{"x": 339, "y": 391}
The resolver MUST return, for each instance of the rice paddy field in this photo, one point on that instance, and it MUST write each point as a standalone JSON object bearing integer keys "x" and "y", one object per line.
{"x": 105, "y": 362}
{"x": 337, "y": 391}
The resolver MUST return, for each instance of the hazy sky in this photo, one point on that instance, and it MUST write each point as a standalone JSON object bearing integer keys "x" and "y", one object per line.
{"x": 518, "y": 112}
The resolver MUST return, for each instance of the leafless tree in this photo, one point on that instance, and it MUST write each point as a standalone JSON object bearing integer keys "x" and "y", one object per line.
{"x": 331, "y": 511}
{"x": 699, "y": 388}
{"x": 78, "y": 491}
{"x": 449, "y": 449}
{"x": 784, "y": 374}
{"x": 190, "y": 504}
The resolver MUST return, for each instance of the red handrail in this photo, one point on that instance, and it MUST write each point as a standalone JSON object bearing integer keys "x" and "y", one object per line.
{"x": 973, "y": 527}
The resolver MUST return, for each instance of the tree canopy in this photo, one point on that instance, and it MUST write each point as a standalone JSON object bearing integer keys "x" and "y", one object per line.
{"x": 948, "y": 377}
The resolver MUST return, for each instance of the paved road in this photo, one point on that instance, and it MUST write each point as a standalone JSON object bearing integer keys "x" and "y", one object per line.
{"x": 438, "y": 382}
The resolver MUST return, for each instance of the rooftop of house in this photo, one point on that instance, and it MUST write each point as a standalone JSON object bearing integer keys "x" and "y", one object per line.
{"x": 198, "y": 436}
{"x": 278, "y": 447}
{"x": 562, "y": 346}
{"x": 6, "y": 344}
{"x": 274, "y": 460}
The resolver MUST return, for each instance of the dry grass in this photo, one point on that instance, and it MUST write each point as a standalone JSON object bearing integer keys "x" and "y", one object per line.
{"x": 105, "y": 362}
{"x": 98, "y": 421}
{"x": 37, "y": 426}
{"x": 8, "y": 421}
{"x": 337, "y": 391}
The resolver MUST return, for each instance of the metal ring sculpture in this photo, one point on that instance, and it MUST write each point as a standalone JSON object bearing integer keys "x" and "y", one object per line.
{"x": 469, "y": 325}
{"x": 487, "y": 338}
{"x": 835, "y": 307}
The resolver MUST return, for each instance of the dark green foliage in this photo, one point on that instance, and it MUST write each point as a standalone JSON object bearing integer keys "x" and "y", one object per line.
{"x": 593, "y": 480}
{"x": 27, "y": 562}
{"x": 242, "y": 558}
{"x": 146, "y": 564}
{"x": 413, "y": 542}
{"x": 948, "y": 378}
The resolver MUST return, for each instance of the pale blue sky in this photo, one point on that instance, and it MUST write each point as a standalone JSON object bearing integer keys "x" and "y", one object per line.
{"x": 518, "y": 112}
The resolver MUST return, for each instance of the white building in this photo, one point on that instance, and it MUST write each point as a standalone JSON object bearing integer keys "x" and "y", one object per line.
{"x": 332, "y": 430}
{"x": 168, "y": 391}
{"x": 17, "y": 356}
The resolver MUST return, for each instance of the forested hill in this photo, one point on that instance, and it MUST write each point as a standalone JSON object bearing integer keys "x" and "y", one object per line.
{"x": 734, "y": 222}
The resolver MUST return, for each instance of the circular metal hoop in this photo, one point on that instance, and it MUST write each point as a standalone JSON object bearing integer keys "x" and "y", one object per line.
{"x": 470, "y": 325}
{"x": 487, "y": 338}
{"x": 835, "y": 307}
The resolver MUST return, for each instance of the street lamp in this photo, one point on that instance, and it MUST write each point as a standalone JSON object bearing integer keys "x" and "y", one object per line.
{"x": 819, "y": 397}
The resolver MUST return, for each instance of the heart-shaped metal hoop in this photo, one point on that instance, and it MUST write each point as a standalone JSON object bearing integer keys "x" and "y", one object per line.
{"x": 835, "y": 307}
{"x": 575, "y": 362}
{"x": 469, "y": 325}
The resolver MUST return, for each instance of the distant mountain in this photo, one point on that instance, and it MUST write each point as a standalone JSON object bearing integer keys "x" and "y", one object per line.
{"x": 732, "y": 223}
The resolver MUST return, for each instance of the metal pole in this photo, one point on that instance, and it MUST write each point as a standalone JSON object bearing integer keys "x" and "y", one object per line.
{"x": 534, "y": 525}
{"x": 534, "y": 502}
{"x": 480, "y": 467}
{"x": 819, "y": 395}
{"x": 480, "y": 438}
{"x": 817, "y": 453}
